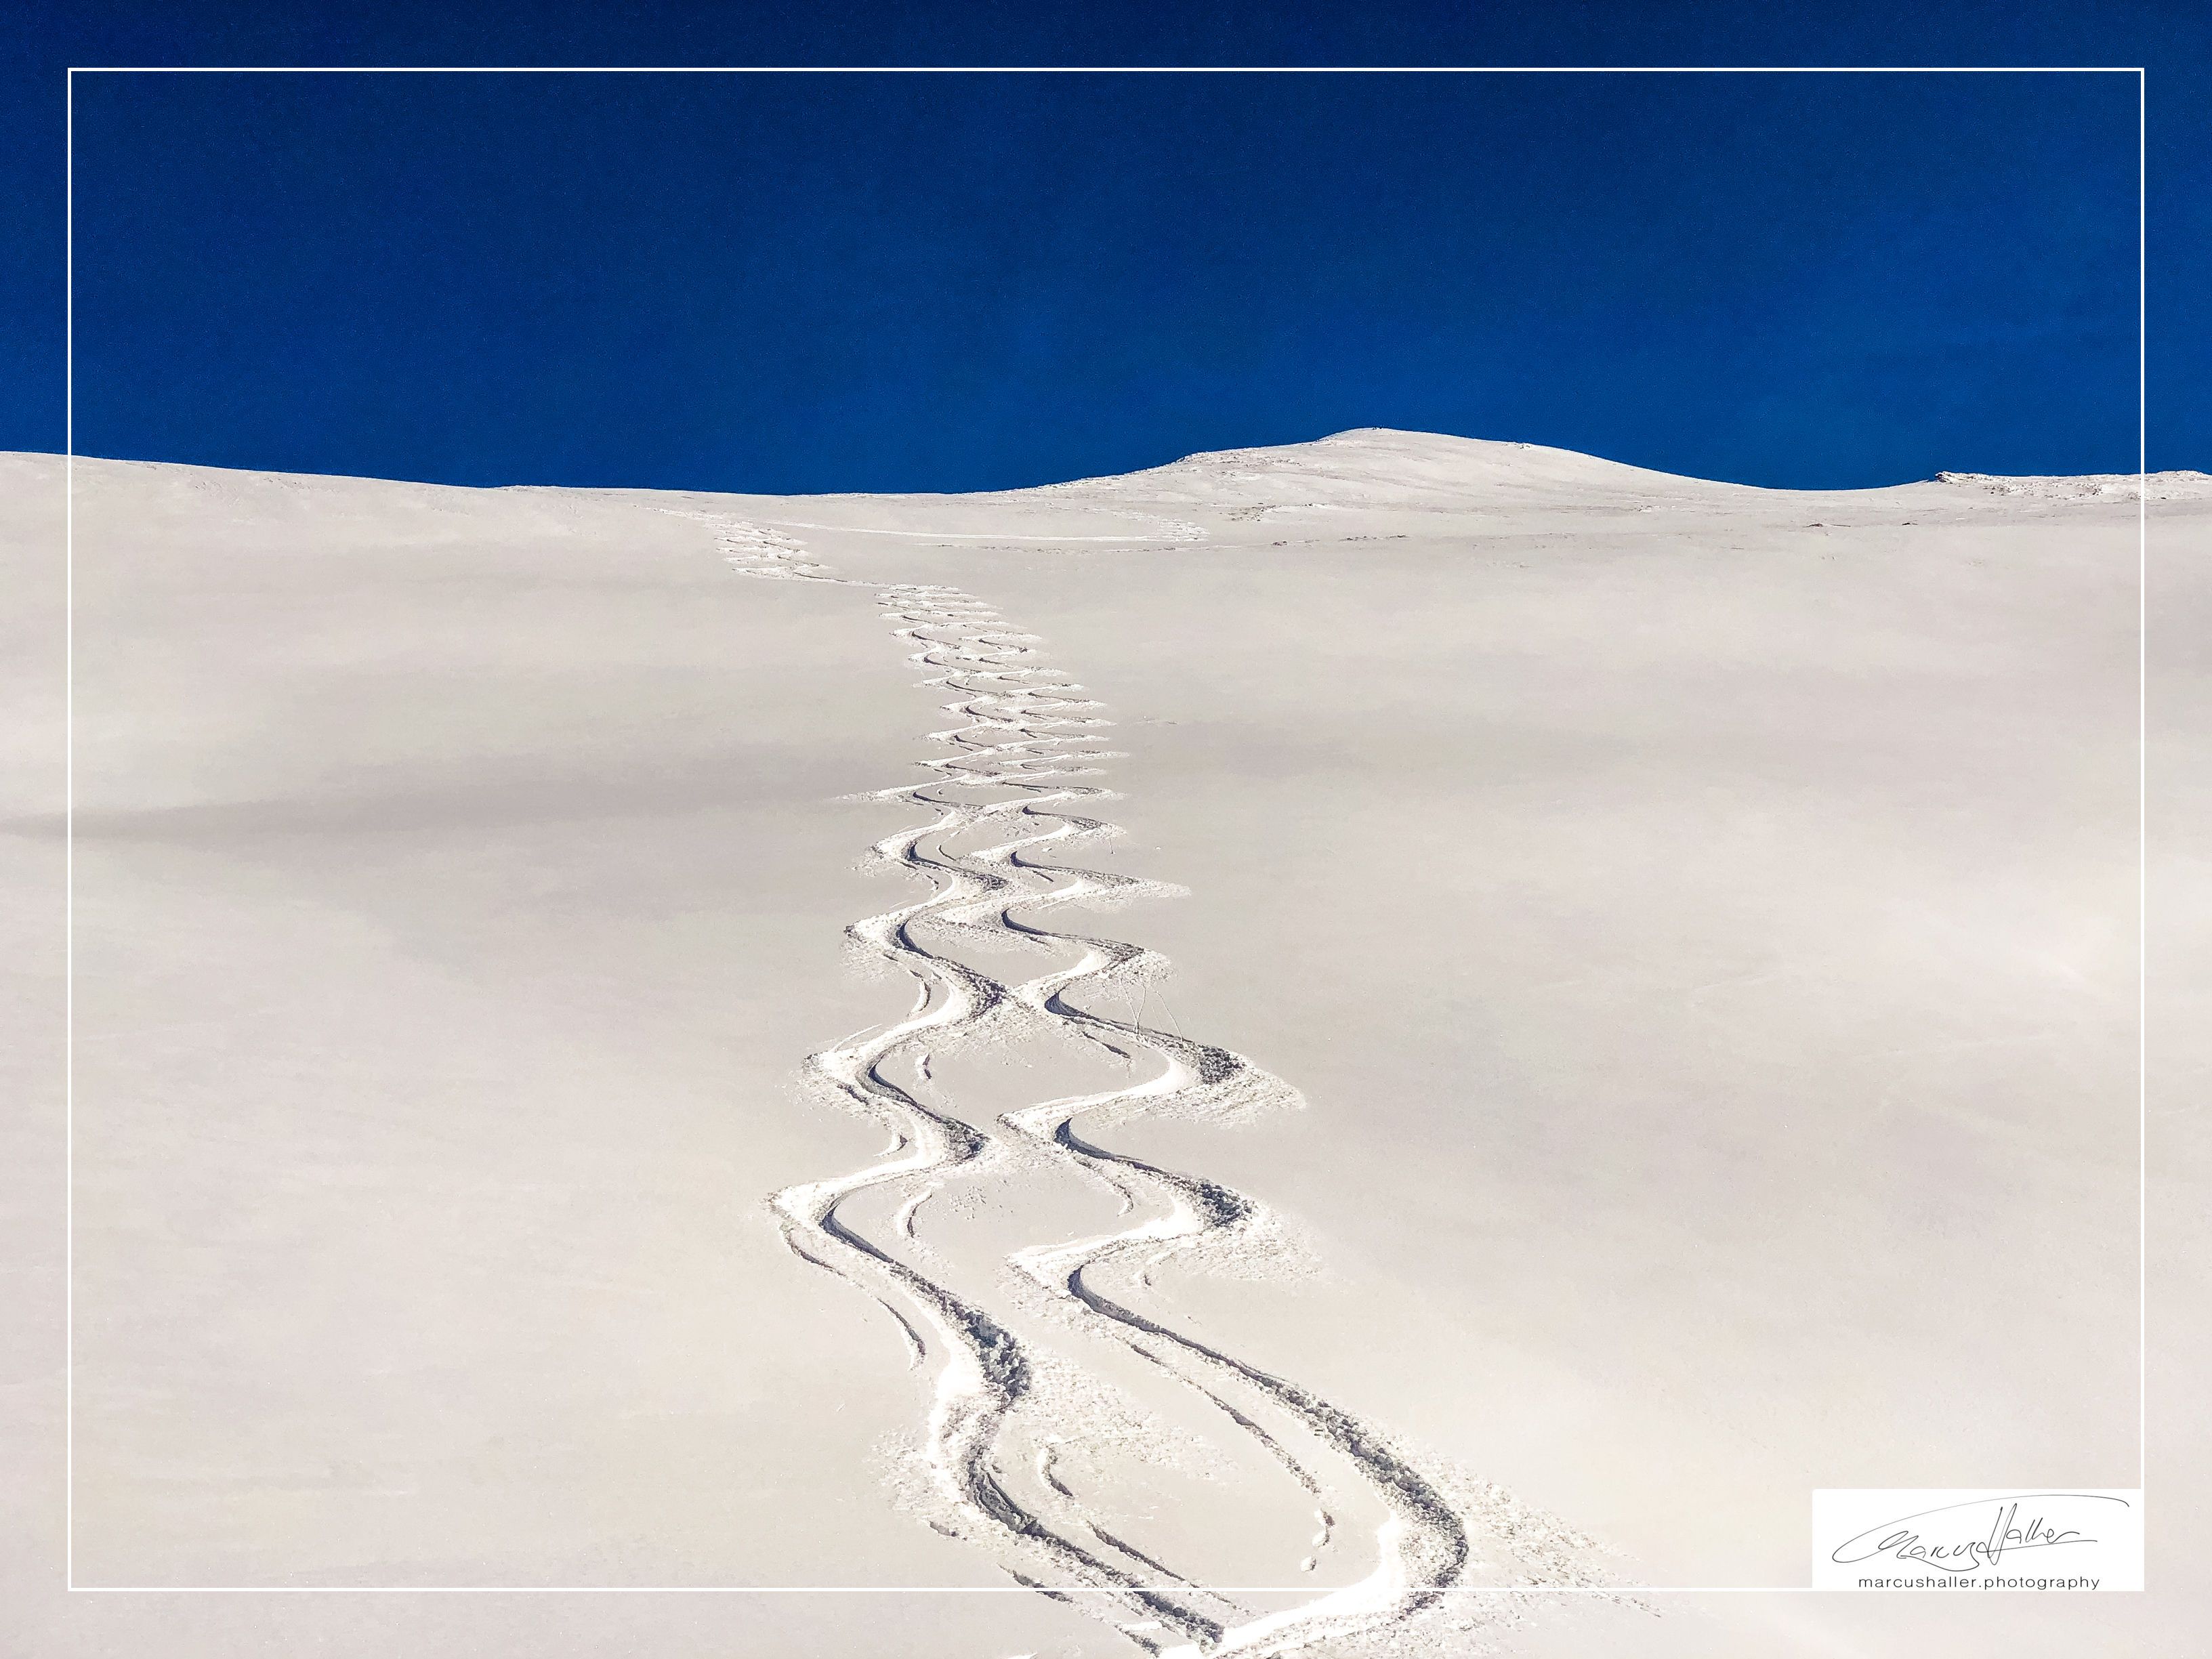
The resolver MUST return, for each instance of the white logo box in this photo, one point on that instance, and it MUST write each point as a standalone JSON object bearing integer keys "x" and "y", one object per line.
{"x": 2023, "y": 1538}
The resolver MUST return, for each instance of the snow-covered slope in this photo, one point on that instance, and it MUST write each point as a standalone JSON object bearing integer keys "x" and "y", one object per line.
{"x": 1651, "y": 1032}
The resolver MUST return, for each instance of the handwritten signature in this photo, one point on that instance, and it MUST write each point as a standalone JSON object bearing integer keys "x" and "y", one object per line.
{"x": 1967, "y": 1537}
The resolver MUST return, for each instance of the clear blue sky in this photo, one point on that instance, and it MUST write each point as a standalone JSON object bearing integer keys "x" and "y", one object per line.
{"x": 964, "y": 282}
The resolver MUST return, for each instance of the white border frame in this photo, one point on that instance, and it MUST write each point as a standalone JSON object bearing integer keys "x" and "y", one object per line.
{"x": 68, "y": 995}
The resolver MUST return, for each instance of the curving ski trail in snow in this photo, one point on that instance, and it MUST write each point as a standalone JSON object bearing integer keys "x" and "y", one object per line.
{"x": 993, "y": 856}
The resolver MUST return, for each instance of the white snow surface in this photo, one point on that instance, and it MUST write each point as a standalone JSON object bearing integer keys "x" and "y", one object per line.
{"x": 1279, "y": 1044}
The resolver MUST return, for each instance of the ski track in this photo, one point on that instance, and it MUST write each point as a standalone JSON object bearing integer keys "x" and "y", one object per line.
{"x": 991, "y": 854}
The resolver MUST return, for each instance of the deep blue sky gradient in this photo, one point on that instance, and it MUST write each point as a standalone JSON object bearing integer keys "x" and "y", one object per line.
{"x": 883, "y": 282}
